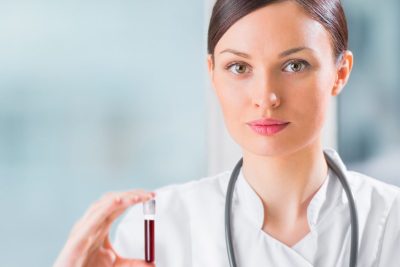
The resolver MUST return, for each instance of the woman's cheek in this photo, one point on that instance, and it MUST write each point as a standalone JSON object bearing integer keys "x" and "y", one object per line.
{"x": 307, "y": 101}
{"x": 233, "y": 94}
{"x": 318, "y": 107}
{"x": 234, "y": 103}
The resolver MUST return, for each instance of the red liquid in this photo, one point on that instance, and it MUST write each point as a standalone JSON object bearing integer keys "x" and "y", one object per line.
{"x": 149, "y": 240}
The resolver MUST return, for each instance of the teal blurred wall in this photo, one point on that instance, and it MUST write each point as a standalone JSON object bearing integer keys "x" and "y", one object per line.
{"x": 95, "y": 96}
{"x": 369, "y": 110}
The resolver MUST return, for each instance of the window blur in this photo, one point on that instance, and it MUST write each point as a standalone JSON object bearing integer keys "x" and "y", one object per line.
{"x": 95, "y": 96}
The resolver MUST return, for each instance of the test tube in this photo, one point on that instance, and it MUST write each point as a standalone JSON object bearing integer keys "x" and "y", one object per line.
{"x": 149, "y": 211}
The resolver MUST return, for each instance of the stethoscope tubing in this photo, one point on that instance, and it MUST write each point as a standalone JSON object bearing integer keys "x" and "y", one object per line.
{"x": 340, "y": 173}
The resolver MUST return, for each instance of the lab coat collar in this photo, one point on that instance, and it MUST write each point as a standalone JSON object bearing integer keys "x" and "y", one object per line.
{"x": 322, "y": 203}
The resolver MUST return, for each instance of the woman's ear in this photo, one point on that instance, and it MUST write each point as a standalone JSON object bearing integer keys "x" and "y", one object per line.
{"x": 343, "y": 72}
{"x": 210, "y": 65}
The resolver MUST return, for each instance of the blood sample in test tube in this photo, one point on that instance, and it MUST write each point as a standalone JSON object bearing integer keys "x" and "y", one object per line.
{"x": 149, "y": 212}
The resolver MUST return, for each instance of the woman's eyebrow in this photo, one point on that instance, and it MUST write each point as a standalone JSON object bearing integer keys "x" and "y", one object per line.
{"x": 282, "y": 54}
{"x": 240, "y": 54}
{"x": 293, "y": 50}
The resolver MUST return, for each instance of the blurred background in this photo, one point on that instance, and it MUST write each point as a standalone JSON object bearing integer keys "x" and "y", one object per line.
{"x": 368, "y": 109}
{"x": 99, "y": 96}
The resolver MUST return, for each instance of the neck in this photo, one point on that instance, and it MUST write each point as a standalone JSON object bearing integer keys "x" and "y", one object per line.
{"x": 286, "y": 183}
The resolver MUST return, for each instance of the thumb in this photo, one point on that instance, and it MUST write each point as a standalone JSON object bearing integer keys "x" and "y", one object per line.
{"x": 132, "y": 263}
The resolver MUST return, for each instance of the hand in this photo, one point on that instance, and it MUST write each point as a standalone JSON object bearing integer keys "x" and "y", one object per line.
{"x": 88, "y": 243}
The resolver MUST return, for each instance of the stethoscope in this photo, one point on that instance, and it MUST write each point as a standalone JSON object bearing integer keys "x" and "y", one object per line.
{"x": 340, "y": 173}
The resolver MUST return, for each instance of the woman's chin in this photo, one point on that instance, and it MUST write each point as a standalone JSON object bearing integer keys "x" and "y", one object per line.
{"x": 266, "y": 150}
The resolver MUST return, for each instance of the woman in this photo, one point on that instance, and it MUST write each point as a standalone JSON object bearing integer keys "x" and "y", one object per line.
{"x": 274, "y": 66}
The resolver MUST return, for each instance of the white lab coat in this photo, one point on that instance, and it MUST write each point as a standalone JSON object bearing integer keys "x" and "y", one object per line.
{"x": 190, "y": 226}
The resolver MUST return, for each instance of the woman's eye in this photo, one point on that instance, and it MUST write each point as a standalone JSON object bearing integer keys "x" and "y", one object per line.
{"x": 238, "y": 68}
{"x": 296, "y": 66}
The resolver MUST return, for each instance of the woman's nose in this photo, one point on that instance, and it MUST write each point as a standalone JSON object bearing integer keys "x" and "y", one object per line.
{"x": 265, "y": 95}
{"x": 267, "y": 100}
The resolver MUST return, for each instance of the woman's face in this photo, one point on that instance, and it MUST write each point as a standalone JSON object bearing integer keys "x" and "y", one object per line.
{"x": 275, "y": 63}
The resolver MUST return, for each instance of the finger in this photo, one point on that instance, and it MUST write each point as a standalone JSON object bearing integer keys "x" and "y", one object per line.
{"x": 97, "y": 238}
{"x": 103, "y": 239}
{"x": 96, "y": 206}
{"x": 114, "y": 196}
{"x": 111, "y": 210}
{"x": 132, "y": 263}
{"x": 89, "y": 234}
{"x": 116, "y": 199}
{"x": 110, "y": 206}
{"x": 107, "y": 243}
{"x": 108, "y": 255}
{"x": 98, "y": 241}
{"x": 102, "y": 235}
{"x": 101, "y": 257}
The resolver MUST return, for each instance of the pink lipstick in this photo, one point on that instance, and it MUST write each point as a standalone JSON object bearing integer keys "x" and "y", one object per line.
{"x": 267, "y": 127}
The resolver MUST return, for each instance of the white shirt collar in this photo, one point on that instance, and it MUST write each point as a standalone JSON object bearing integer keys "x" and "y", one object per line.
{"x": 321, "y": 204}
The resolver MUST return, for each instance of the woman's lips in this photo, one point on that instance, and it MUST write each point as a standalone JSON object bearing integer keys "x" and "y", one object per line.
{"x": 268, "y": 127}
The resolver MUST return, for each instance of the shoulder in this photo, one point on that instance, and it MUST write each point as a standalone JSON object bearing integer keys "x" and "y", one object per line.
{"x": 368, "y": 191}
{"x": 378, "y": 206}
{"x": 180, "y": 198}
{"x": 378, "y": 193}
{"x": 378, "y": 209}
{"x": 377, "y": 202}
{"x": 203, "y": 187}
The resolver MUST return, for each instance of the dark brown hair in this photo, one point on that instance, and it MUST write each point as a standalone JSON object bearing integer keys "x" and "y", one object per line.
{"x": 329, "y": 13}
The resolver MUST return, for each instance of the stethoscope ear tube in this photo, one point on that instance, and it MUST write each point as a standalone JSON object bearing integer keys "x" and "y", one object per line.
{"x": 352, "y": 205}
{"x": 342, "y": 178}
{"x": 228, "y": 212}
